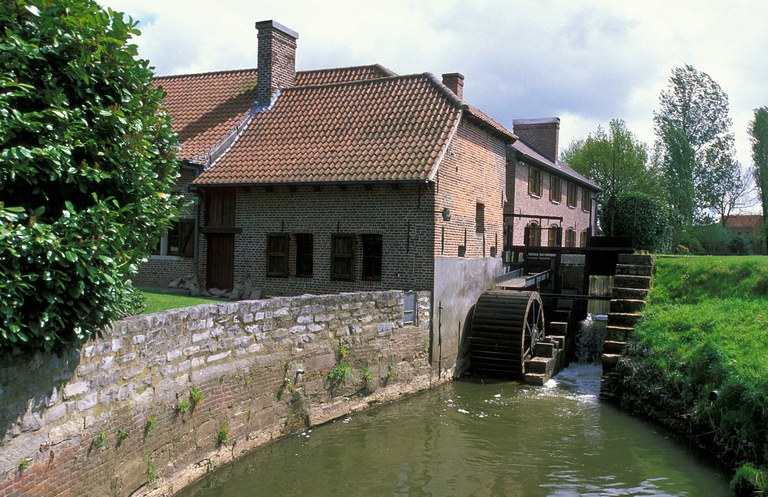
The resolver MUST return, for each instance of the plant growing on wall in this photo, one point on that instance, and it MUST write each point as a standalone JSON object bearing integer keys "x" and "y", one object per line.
{"x": 196, "y": 397}
{"x": 150, "y": 425}
{"x": 339, "y": 374}
{"x": 366, "y": 375}
{"x": 223, "y": 435}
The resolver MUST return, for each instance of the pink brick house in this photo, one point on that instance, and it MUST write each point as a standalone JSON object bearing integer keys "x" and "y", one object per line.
{"x": 553, "y": 205}
{"x": 340, "y": 180}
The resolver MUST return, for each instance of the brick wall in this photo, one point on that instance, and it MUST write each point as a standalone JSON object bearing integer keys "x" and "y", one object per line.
{"x": 61, "y": 417}
{"x": 401, "y": 215}
{"x": 525, "y": 203}
{"x": 473, "y": 171}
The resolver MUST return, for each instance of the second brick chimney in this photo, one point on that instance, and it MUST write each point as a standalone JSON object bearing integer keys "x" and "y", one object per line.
{"x": 455, "y": 82}
{"x": 541, "y": 134}
{"x": 277, "y": 59}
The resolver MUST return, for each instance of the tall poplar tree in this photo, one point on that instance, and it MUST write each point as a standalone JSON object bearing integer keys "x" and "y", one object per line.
{"x": 758, "y": 129}
{"x": 693, "y": 117}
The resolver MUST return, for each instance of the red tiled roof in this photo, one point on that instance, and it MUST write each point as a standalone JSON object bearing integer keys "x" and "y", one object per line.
{"x": 205, "y": 108}
{"x": 744, "y": 221}
{"x": 342, "y": 74}
{"x": 390, "y": 129}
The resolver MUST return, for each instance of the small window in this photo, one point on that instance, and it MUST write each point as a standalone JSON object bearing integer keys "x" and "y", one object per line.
{"x": 572, "y": 193}
{"x": 534, "y": 181}
{"x": 342, "y": 257}
{"x": 555, "y": 189}
{"x": 479, "y": 218}
{"x": 586, "y": 200}
{"x": 277, "y": 255}
{"x": 178, "y": 239}
{"x": 409, "y": 308}
{"x": 304, "y": 259}
{"x": 372, "y": 251}
{"x": 553, "y": 237}
{"x": 570, "y": 237}
{"x": 583, "y": 238}
{"x": 533, "y": 235}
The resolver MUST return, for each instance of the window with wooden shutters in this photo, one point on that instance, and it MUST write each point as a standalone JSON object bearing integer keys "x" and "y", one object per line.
{"x": 304, "y": 255}
{"x": 372, "y": 254}
{"x": 277, "y": 255}
{"x": 583, "y": 238}
{"x": 570, "y": 237}
{"x": 572, "y": 193}
{"x": 586, "y": 200}
{"x": 342, "y": 257}
{"x": 533, "y": 235}
{"x": 479, "y": 218}
{"x": 534, "y": 181}
{"x": 555, "y": 189}
{"x": 178, "y": 239}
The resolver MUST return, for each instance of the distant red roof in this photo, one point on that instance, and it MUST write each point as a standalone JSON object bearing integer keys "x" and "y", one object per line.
{"x": 390, "y": 129}
{"x": 754, "y": 221}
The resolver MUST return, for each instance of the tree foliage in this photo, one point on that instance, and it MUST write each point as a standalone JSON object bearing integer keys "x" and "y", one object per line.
{"x": 594, "y": 158}
{"x": 758, "y": 130}
{"x": 86, "y": 163}
{"x": 639, "y": 216}
{"x": 693, "y": 128}
{"x": 695, "y": 104}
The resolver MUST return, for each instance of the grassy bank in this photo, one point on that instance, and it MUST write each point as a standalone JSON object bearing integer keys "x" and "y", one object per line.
{"x": 699, "y": 358}
{"x": 158, "y": 301}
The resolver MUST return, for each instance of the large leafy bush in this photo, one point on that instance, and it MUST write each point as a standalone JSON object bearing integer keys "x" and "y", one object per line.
{"x": 641, "y": 217}
{"x": 86, "y": 163}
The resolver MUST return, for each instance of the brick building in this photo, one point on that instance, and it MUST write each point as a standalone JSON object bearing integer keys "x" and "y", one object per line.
{"x": 341, "y": 180}
{"x": 553, "y": 205}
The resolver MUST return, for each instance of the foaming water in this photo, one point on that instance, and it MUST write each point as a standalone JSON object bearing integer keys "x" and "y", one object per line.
{"x": 475, "y": 439}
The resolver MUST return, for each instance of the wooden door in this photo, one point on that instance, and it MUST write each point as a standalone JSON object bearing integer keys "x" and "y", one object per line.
{"x": 221, "y": 261}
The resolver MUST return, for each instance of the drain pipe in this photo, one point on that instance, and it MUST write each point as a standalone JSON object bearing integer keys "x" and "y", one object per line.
{"x": 440, "y": 338}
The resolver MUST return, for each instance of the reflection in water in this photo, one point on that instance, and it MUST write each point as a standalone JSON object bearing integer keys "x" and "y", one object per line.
{"x": 471, "y": 439}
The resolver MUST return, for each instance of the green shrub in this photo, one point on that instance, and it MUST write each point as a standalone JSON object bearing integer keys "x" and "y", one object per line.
{"x": 641, "y": 217}
{"x": 749, "y": 479}
{"x": 87, "y": 161}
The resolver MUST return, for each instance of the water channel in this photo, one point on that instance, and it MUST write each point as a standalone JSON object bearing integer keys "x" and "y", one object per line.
{"x": 474, "y": 439}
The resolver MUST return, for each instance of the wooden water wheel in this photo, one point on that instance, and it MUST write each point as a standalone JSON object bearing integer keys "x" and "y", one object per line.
{"x": 506, "y": 326}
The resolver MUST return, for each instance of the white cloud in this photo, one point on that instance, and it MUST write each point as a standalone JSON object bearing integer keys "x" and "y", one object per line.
{"x": 587, "y": 62}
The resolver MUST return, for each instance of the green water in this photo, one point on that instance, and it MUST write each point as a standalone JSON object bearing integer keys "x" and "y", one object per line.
{"x": 469, "y": 439}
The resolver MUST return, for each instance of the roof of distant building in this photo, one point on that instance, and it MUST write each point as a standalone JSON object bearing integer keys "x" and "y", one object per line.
{"x": 530, "y": 154}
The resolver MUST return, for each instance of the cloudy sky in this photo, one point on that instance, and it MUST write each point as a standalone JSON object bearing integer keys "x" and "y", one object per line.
{"x": 584, "y": 61}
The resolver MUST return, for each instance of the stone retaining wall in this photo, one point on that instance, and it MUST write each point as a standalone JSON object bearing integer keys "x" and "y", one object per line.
{"x": 119, "y": 418}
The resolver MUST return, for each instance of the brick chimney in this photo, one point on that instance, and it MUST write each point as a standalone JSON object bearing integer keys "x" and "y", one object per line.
{"x": 541, "y": 134}
{"x": 277, "y": 59}
{"x": 455, "y": 82}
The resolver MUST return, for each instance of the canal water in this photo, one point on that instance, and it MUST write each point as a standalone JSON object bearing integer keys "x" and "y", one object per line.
{"x": 477, "y": 439}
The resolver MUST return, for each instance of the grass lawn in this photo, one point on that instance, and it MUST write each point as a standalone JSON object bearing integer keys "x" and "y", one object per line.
{"x": 158, "y": 301}
{"x": 705, "y": 330}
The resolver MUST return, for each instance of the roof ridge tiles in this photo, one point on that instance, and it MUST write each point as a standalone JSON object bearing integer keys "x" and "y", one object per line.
{"x": 207, "y": 73}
